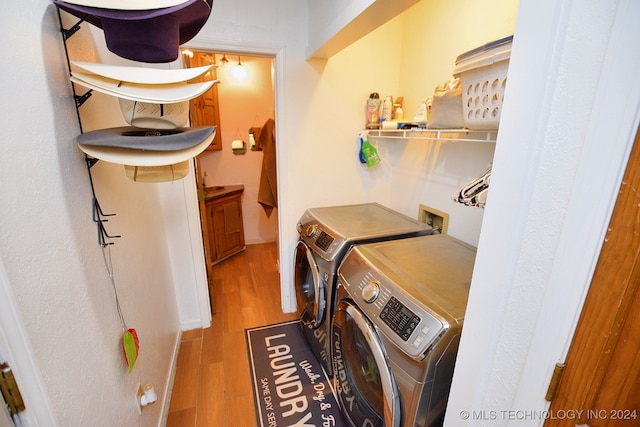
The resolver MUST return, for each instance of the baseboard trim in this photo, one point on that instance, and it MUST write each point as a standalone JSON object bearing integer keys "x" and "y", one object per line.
{"x": 193, "y": 324}
{"x": 171, "y": 378}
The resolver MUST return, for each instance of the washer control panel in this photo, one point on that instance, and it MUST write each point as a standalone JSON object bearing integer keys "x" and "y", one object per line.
{"x": 399, "y": 318}
{"x": 412, "y": 327}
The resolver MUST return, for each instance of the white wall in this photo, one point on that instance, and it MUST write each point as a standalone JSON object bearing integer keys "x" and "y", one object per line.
{"x": 429, "y": 38}
{"x": 335, "y": 25}
{"x": 55, "y": 272}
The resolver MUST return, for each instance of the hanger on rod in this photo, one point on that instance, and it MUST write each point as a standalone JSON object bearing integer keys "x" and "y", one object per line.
{"x": 475, "y": 193}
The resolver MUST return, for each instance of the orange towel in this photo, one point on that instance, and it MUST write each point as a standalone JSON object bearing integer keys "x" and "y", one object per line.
{"x": 268, "y": 190}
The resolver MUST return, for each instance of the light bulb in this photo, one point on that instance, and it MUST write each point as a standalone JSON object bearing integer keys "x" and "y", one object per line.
{"x": 239, "y": 73}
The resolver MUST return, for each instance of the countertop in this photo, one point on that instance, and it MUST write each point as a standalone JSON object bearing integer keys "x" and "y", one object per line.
{"x": 218, "y": 191}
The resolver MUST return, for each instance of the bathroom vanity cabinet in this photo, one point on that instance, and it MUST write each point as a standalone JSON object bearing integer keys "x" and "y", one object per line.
{"x": 224, "y": 219}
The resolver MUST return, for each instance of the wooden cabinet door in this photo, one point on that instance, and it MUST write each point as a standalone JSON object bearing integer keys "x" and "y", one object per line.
{"x": 205, "y": 109}
{"x": 210, "y": 235}
{"x": 227, "y": 234}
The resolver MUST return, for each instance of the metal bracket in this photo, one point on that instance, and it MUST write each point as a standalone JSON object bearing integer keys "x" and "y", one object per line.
{"x": 90, "y": 161}
{"x": 555, "y": 381}
{"x": 98, "y": 214}
{"x": 9, "y": 389}
{"x": 80, "y": 99}
{"x": 67, "y": 33}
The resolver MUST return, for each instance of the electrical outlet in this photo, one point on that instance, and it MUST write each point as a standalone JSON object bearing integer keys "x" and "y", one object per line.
{"x": 145, "y": 396}
{"x": 139, "y": 394}
{"x": 437, "y": 219}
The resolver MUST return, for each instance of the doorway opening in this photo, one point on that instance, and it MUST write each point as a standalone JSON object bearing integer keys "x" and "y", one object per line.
{"x": 240, "y": 161}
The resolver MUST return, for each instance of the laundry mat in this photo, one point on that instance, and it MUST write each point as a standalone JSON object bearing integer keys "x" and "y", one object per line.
{"x": 289, "y": 385}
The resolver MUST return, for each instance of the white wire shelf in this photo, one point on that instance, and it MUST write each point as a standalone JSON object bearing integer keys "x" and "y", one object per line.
{"x": 461, "y": 135}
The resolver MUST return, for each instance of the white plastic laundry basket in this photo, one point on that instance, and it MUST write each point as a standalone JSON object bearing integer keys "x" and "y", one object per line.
{"x": 483, "y": 73}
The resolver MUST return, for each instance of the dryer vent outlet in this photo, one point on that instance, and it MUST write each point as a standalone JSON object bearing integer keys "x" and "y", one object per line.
{"x": 437, "y": 219}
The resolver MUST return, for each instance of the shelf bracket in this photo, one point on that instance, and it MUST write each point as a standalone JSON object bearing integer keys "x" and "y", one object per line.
{"x": 67, "y": 33}
{"x": 90, "y": 161}
{"x": 80, "y": 99}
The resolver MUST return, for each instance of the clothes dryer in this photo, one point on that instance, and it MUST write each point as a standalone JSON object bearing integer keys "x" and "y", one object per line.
{"x": 396, "y": 327}
{"x": 326, "y": 233}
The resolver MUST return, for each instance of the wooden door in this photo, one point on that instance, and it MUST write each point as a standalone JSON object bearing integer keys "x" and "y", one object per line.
{"x": 206, "y": 226}
{"x": 600, "y": 386}
{"x": 228, "y": 228}
{"x": 205, "y": 109}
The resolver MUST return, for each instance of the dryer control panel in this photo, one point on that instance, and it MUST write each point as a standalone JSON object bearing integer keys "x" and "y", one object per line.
{"x": 326, "y": 243}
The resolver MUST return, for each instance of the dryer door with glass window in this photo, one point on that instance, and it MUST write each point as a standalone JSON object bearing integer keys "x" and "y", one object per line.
{"x": 366, "y": 390}
{"x": 310, "y": 298}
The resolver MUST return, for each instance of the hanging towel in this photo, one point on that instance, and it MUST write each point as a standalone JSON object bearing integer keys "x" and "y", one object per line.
{"x": 268, "y": 190}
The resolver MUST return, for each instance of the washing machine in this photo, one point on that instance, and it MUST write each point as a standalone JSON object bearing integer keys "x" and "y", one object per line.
{"x": 396, "y": 327}
{"x": 326, "y": 233}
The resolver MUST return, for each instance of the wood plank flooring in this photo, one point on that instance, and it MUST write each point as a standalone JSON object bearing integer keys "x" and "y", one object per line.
{"x": 212, "y": 386}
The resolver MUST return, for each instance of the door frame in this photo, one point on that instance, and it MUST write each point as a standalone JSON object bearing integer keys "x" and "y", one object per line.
{"x": 615, "y": 117}
{"x": 277, "y": 53}
{"x": 15, "y": 348}
{"x": 606, "y": 309}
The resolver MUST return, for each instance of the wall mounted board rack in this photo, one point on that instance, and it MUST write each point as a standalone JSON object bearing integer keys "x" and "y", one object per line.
{"x": 98, "y": 216}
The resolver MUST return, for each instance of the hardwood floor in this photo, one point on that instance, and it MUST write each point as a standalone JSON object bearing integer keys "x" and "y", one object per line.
{"x": 212, "y": 386}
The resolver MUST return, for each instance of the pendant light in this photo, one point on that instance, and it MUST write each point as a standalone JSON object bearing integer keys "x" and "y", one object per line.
{"x": 239, "y": 72}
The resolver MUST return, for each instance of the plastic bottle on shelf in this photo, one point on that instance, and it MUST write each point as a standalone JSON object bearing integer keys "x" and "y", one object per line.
{"x": 421, "y": 114}
{"x": 373, "y": 111}
{"x": 205, "y": 180}
{"x": 397, "y": 113}
{"x": 387, "y": 108}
